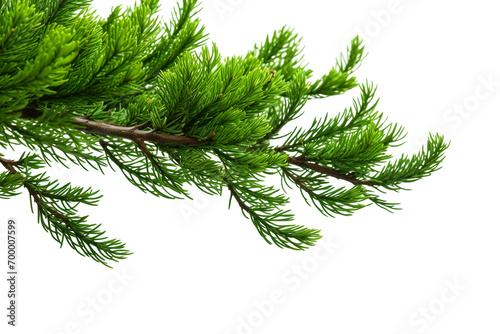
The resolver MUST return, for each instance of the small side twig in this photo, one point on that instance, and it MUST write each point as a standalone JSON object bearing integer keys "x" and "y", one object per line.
{"x": 302, "y": 162}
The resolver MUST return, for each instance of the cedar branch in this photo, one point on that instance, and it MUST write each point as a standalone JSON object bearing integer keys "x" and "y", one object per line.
{"x": 9, "y": 165}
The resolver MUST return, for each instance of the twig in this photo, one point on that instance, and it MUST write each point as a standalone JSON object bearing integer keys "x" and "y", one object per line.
{"x": 301, "y": 162}
{"x": 133, "y": 133}
{"x": 237, "y": 197}
{"x": 9, "y": 165}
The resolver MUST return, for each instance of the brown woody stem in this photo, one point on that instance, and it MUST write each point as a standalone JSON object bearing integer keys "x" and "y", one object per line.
{"x": 9, "y": 165}
{"x": 133, "y": 133}
{"x": 237, "y": 197}
{"x": 301, "y": 162}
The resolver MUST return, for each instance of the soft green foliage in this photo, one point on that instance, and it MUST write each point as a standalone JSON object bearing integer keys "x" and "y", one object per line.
{"x": 153, "y": 101}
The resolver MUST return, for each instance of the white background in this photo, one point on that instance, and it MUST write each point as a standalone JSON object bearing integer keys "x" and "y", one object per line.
{"x": 200, "y": 268}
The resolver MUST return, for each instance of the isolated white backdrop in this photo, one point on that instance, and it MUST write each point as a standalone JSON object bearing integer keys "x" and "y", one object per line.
{"x": 200, "y": 268}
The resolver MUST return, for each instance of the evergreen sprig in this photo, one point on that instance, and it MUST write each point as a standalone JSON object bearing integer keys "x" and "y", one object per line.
{"x": 153, "y": 101}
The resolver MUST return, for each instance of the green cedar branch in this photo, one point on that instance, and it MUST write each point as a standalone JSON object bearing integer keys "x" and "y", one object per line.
{"x": 140, "y": 95}
{"x": 329, "y": 200}
{"x": 60, "y": 220}
{"x": 265, "y": 219}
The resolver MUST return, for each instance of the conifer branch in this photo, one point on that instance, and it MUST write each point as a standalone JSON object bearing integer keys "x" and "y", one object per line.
{"x": 60, "y": 220}
{"x": 151, "y": 101}
{"x": 267, "y": 219}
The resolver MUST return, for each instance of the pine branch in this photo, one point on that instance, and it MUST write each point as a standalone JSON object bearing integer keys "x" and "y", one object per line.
{"x": 327, "y": 199}
{"x": 151, "y": 101}
{"x": 60, "y": 221}
{"x": 339, "y": 79}
{"x": 266, "y": 219}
